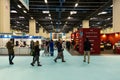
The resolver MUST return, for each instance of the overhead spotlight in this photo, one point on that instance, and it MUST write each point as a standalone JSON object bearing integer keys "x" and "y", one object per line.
{"x": 45, "y": 12}
{"x": 73, "y": 12}
{"x": 76, "y": 4}
{"x": 49, "y": 14}
{"x": 13, "y": 11}
{"x": 108, "y": 18}
{"x": 111, "y": 5}
{"x": 102, "y": 13}
{"x": 45, "y": 1}
{"x": 25, "y": 11}
{"x": 31, "y": 17}
{"x": 21, "y": 17}
{"x": 19, "y": 6}
{"x": 70, "y": 17}
{"x": 18, "y": 22}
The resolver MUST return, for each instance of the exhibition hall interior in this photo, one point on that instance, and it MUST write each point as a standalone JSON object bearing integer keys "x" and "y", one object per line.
{"x": 64, "y": 24}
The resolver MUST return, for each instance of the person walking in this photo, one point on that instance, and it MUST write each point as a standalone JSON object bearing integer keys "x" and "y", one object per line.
{"x": 87, "y": 47}
{"x": 60, "y": 52}
{"x": 36, "y": 54}
{"x": 51, "y": 48}
{"x": 10, "y": 46}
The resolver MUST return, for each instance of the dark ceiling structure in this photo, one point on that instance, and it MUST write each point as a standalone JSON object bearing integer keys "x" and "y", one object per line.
{"x": 61, "y": 15}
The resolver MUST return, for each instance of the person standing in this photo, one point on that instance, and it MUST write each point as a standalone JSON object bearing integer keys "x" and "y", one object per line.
{"x": 87, "y": 47}
{"x": 51, "y": 48}
{"x": 60, "y": 52}
{"x": 36, "y": 54}
{"x": 10, "y": 46}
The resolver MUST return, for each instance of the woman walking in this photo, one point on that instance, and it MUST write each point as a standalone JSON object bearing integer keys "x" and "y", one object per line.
{"x": 36, "y": 54}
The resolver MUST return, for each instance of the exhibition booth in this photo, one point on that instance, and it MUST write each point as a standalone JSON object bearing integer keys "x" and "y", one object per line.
{"x": 92, "y": 34}
{"x": 111, "y": 41}
{"x": 21, "y": 43}
{"x": 100, "y": 42}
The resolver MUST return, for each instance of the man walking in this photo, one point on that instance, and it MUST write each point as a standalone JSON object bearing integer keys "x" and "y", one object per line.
{"x": 87, "y": 47}
{"x": 10, "y": 46}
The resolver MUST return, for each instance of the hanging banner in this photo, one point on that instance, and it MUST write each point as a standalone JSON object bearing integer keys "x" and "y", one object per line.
{"x": 25, "y": 3}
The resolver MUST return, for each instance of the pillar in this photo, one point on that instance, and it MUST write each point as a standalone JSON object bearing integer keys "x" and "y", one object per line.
{"x": 5, "y": 16}
{"x": 85, "y": 24}
{"x": 32, "y": 27}
{"x": 41, "y": 31}
{"x": 74, "y": 29}
{"x": 116, "y": 15}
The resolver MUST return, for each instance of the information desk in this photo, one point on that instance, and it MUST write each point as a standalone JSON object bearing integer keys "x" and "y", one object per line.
{"x": 17, "y": 50}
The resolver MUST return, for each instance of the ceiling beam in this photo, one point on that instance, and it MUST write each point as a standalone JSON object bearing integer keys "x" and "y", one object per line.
{"x": 106, "y": 5}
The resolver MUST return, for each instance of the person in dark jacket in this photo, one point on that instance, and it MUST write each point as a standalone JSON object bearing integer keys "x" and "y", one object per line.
{"x": 36, "y": 54}
{"x": 60, "y": 52}
{"x": 10, "y": 46}
{"x": 87, "y": 47}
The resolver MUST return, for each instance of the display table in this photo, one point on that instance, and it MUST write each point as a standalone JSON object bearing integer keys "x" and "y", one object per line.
{"x": 17, "y": 50}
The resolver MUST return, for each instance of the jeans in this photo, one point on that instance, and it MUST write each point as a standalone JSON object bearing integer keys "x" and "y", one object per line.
{"x": 11, "y": 57}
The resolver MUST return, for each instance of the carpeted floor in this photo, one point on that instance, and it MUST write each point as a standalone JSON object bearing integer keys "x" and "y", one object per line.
{"x": 100, "y": 68}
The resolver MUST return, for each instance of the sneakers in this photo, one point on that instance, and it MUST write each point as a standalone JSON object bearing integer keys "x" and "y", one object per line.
{"x": 84, "y": 60}
{"x": 55, "y": 60}
{"x": 63, "y": 61}
{"x": 11, "y": 63}
{"x": 32, "y": 64}
{"x": 39, "y": 65}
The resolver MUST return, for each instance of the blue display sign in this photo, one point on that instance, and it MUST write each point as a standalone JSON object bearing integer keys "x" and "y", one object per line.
{"x": 20, "y": 37}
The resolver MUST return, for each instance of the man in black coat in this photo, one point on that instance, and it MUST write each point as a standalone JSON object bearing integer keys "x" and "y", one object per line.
{"x": 87, "y": 47}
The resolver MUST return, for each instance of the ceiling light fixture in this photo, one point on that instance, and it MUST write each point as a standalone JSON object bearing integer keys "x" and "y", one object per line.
{"x": 49, "y": 14}
{"x": 94, "y": 18}
{"x": 73, "y": 12}
{"x": 13, "y": 11}
{"x": 31, "y": 17}
{"x": 19, "y": 6}
{"x": 102, "y": 13}
{"x": 45, "y": 1}
{"x": 18, "y": 22}
{"x": 70, "y": 17}
{"x": 45, "y": 12}
{"x": 108, "y": 18}
{"x": 111, "y": 5}
{"x": 25, "y": 11}
{"x": 76, "y": 4}
{"x": 21, "y": 17}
